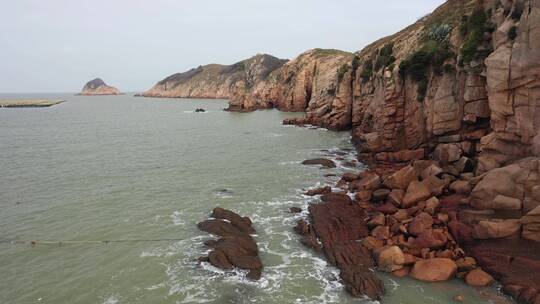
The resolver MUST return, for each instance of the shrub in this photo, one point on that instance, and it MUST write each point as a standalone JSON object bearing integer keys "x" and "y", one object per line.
{"x": 475, "y": 27}
{"x": 385, "y": 57}
{"x": 512, "y": 33}
{"x": 355, "y": 63}
{"x": 341, "y": 71}
{"x": 367, "y": 72}
{"x": 440, "y": 33}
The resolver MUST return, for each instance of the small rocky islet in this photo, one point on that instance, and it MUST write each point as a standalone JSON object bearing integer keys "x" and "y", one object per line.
{"x": 97, "y": 87}
{"x": 446, "y": 114}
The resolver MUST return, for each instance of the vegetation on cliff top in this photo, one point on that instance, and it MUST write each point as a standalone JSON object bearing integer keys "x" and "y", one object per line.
{"x": 431, "y": 56}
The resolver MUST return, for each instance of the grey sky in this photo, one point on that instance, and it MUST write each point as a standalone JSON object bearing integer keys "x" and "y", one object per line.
{"x": 58, "y": 45}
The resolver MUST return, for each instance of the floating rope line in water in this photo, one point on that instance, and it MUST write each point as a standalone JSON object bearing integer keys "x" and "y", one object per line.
{"x": 60, "y": 243}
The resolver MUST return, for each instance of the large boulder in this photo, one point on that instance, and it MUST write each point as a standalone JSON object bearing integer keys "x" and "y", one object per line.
{"x": 479, "y": 278}
{"x": 369, "y": 181}
{"x": 401, "y": 179}
{"x": 416, "y": 192}
{"x": 434, "y": 270}
{"x": 389, "y": 258}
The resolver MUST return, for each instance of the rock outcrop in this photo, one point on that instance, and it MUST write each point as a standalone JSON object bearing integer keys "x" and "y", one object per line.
{"x": 236, "y": 247}
{"x": 98, "y": 87}
{"x": 215, "y": 80}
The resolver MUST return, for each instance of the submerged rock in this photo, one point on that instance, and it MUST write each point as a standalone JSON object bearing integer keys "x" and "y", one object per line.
{"x": 327, "y": 163}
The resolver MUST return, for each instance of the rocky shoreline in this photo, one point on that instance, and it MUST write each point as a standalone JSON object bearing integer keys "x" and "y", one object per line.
{"x": 415, "y": 219}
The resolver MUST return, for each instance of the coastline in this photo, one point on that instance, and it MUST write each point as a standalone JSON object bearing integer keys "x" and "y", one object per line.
{"x": 360, "y": 224}
{"x": 29, "y": 103}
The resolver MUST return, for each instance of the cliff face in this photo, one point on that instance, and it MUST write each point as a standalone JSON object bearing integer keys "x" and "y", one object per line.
{"x": 214, "y": 80}
{"x": 314, "y": 82}
{"x": 98, "y": 87}
{"x": 467, "y": 74}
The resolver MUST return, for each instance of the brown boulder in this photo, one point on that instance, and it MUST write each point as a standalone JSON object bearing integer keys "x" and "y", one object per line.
{"x": 531, "y": 225}
{"x": 369, "y": 181}
{"x": 416, "y": 192}
{"x": 434, "y": 270}
{"x": 380, "y": 195}
{"x": 396, "y": 197}
{"x": 431, "y": 238}
{"x": 319, "y": 191}
{"x": 389, "y": 258}
{"x": 422, "y": 222}
{"x": 478, "y": 278}
{"x": 381, "y": 232}
{"x": 327, "y": 163}
{"x": 401, "y": 179}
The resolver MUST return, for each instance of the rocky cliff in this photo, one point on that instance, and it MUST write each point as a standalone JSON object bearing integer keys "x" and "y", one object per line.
{"x": 215, "y": 80}
{"x": 98, "y": 87}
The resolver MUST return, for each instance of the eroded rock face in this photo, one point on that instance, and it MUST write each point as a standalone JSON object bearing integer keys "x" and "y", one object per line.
{"x": 317, "y": 82}
{"x": 98, "y": 87}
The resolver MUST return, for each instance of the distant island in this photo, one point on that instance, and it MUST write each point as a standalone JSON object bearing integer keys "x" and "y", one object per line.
{"x": 98, "y": 87}
{"x": 29, "y": 103}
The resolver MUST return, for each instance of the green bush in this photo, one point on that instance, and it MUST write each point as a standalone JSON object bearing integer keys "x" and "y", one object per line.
{"x": 475, "y": 27}
{"x": 341, "y": 71}
{"x": 355, "y": 63}
{"x": 512, "y": 34}
{"x": 440, "y": 33}
{"x": 385, "y": 57}
{"x": 367, "y": 72}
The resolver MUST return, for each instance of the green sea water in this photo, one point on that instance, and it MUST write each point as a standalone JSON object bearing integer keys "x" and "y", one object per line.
{"x": 120, "y": 167}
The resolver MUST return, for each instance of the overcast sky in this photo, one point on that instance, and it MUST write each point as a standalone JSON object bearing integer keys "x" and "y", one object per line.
{"x": 58, "y": 45}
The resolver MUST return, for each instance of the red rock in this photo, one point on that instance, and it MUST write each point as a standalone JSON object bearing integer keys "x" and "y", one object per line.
{"x": 327, "y": 163}
{"x": 434, "y": 270}
{"x": 364, "y": 195}
{"x": 372, "y": 243}
{"x": 336, "y": 197}
{"x": 339, "y": 225}
{"x": 420, "y": 224}
{"x": 369, "y": 181}
{"x": 389, "y": 258}
{"x": 416, "y": 192}
{"x": 432, "y": 238}
{"x": 401, "y": 179}
{"x": 349, "y": 177}
{"x": 319, "y": 191}
{"x": 236, "y": 248}
{"x": 381, "y": 232}
{"x": 380, "y": 195}
{"x": 396, "y": 197}
{"x": 479, "y": 278}
{"x": 387, "y": 208}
